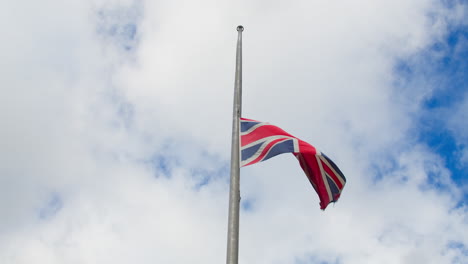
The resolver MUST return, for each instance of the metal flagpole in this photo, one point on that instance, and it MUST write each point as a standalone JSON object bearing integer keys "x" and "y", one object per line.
{"x": 234, "y": 191}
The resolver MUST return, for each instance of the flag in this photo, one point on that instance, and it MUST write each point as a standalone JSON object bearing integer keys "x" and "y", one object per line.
{"x": 261, "y": 141}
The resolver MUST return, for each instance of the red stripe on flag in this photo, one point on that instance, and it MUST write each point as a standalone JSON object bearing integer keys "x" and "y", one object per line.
{"x": 263, "y": 132}
{"x": 305, "y": 147}
{"x": 306, "y": 170}
{"x": 311, "y": 163}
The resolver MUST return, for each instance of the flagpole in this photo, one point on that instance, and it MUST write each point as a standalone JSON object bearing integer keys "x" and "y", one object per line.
{"x": 234, "y": 191}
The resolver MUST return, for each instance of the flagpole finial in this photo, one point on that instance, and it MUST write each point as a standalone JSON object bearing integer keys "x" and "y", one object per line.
{"x": 240, "y": 28}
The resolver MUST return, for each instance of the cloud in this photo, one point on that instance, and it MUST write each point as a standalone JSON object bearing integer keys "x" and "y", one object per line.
{"x": 116, "y": 123}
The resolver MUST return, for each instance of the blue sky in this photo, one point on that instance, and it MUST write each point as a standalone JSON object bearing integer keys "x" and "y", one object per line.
{"x": 442, "y": 68}
{"x": 116, "y": 120}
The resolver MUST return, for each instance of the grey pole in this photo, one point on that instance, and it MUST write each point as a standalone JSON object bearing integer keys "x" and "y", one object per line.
{"x": 234, "y": 191}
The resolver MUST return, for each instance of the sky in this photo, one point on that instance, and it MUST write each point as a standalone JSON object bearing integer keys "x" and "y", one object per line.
{"x": 116, "y": 124}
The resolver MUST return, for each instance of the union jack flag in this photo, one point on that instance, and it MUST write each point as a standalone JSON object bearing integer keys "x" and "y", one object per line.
{"x": 261, "y": 141}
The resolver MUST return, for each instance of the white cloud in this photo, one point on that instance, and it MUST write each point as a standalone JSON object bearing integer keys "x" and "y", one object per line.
{"x": 86, "y": 123}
